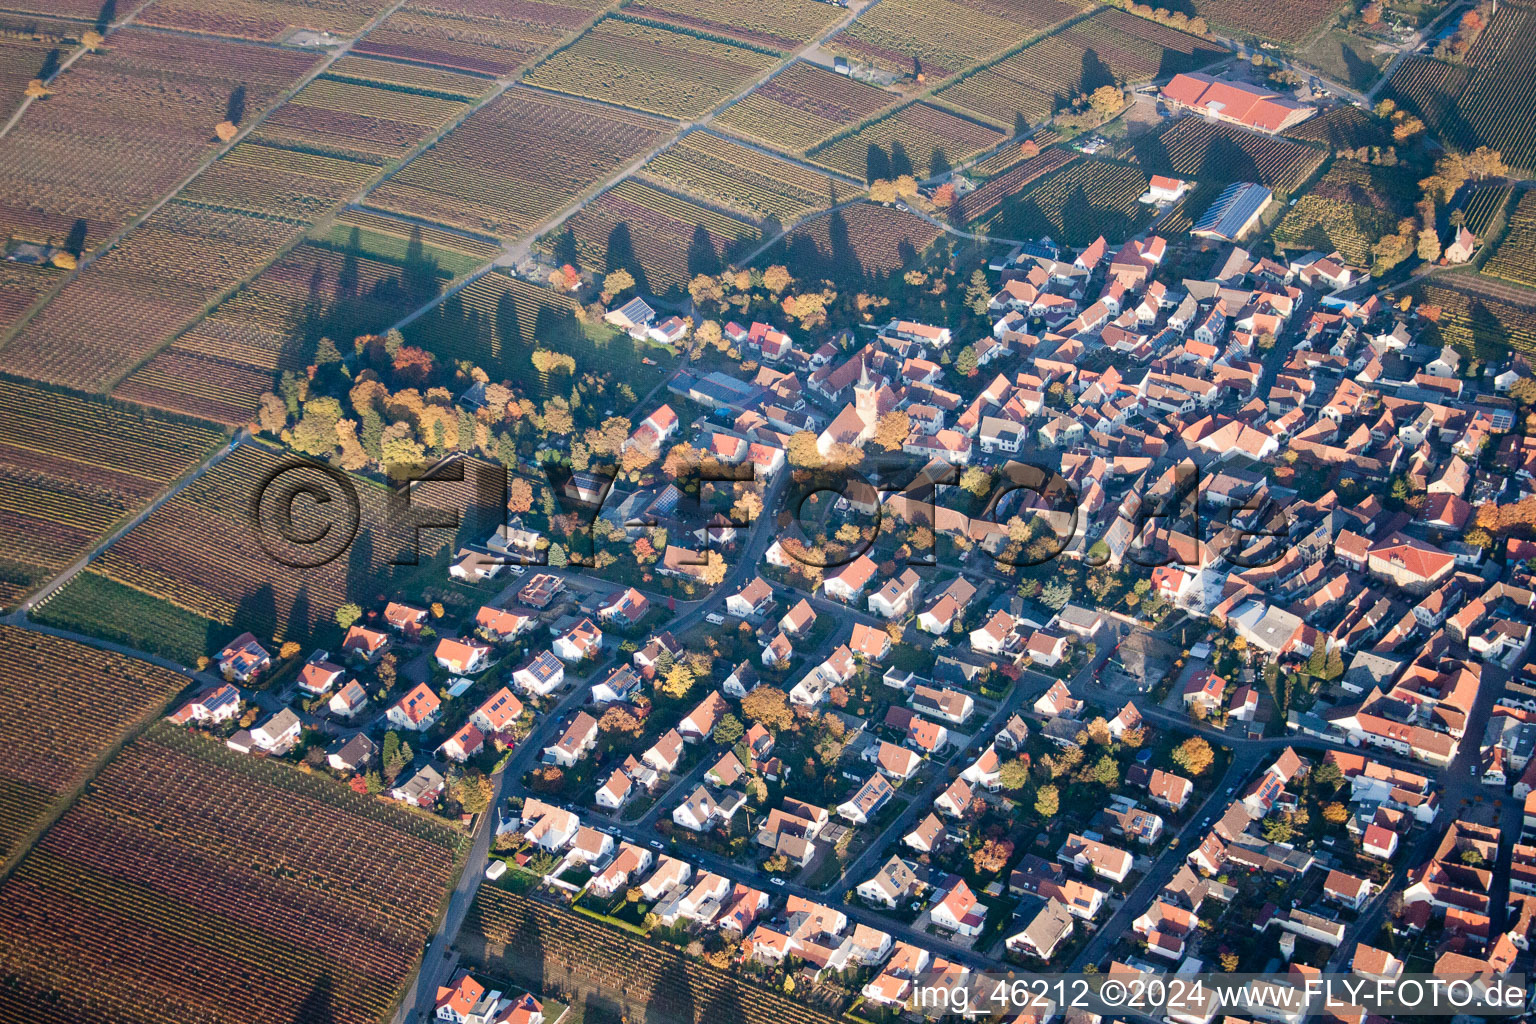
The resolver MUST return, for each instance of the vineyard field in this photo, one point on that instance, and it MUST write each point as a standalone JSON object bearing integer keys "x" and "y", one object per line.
{"x": 44, "y": 679}
{"x": 482, "y": 37}
{"x": 226, "y": 225}
{"x": 1077, "y": 204}
{"x": 1192, "y": 147}
{"x": 1483, "y": 206}
{"x": 389, "y": 238}
{"x": 1515, "y": 258}
{"x": 1012, "y": 155}
{"x": 534, "y": 943}
{"x": 262, "y": 20}
{"x": 72, "y": 468}
{"x": 356, "y": 121}
{"x": 124, "y": 305}
{"x": 651, "y": 69}
{"x": 30, "y": 48}
{"x": 1284, "y": 23}
{"x": 473, "y": 181}
{"x": 21, "y": 285}
{"x": 361, "y": 70}
{"x": 941, "y": 38}
{"x": 743, "y": 179}
{"x": 200, "y": 552}
{"x": 801, "y": 106}
{"x": 214, "y": 857}
{"x": 1109, "y": 47}
{"x": 979, "y": 204}
{"x": 919, "y": 139}
{"x": 855, "y": 242}
{"x": 662, "y": 239}
{"x": 781, "y": 27}
{"x": 1487, "y": 100}
{"x": 1343, "y": 127}
{"x": 1349, "y": 209}
{"x": 1477, "y": 324}
{"x": 124, "y": 126}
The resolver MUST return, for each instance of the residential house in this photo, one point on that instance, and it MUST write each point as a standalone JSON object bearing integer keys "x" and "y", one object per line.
{"x": 417, "y": 711}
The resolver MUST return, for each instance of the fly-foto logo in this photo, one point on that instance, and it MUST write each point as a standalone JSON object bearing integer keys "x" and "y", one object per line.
{"x": 307, "y": 514}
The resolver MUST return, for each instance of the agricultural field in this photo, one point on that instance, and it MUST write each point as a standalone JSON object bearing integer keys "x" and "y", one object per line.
{"x": 126, "y": 125}
{"x": 1486, "y": 100}
{"x": 855, "y": 242}
{"x": 1182, "y": 215}
{"x": 340, "y": 285}
{"x": 1515, "y": 258}
{"x": 1283, "y": 22}
{"x": 919, "y": 139}
{"x": 662, "y": 239}
{"x": 1012, "y": 155}
{"x": 124, "y": 305}
{"x": 652, "y": 69}
{"x": 393, "y": 74}
{"x": 1345, "y": 57}
{"x": 201, "y": 553}
{"x": 30, "y": 48}
{"x": 1192, "y": 147}
{"x": 1483, "y": 205}
{"x": 262, "y": 20}
{"x": 496, "y": 321}
{"x": 274, "y": 182}
{"x": 1109, "y": 47}
{"x": 781, "y": 27}
{"x": 979, "y": 204}
{"x": 42, "y": 678}
{"x": 745, "y": 180}
{"x": 482, "y": 37}
{"x": 197, "y": 876}
{"x": 801, "y": 106}
{"x": 1344, "y": 127}
{"x": 228, "y": 224}
{"x": 940, "y": 38}
{"x": 72, "y": 468}
{"x": 21, "y": 285}
{"x": 474, "y": 181}
{"x": 513, "y": 936}
{"x": 1077, "y": 204}
{"x": 83, "y": 9}
{"x": 1481, "y": 325}
{"x": 351, "y": 119}
{"x": 1349, "y": 209}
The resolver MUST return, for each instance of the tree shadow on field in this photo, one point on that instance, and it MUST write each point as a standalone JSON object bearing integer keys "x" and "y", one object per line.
{"x": 673, "y": 994}
{"x": 703, "y": 257}
{"x": 106, "y": 16}
{"x": 901, "y": 164}
{"x": 620, "y": 255}
{"x": 1227, "y": 160}
{"x": 1095, "y": 72}
{"x": 234, "y": 107}
{"x": 877, "y": 165}
{"x": 319, "y": 1006}
{"x": 74, "y": 242}
{"x": 257, "y": 612}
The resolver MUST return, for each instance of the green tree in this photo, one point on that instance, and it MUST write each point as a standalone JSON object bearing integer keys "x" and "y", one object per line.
{"x": 1014, "y": 773}
{"x": 347, "y": 614}
{"x": 1047, "y": 801}
{"x": 1056, "y": 593}
{"x": 965, "y": 360}
{"x": 728, "y": 730}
